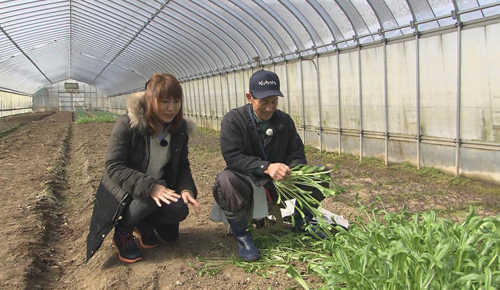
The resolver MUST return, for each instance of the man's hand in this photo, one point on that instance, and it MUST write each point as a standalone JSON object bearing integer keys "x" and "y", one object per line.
{"x": 160, "y": 193}
{"x": 278, "y": 171}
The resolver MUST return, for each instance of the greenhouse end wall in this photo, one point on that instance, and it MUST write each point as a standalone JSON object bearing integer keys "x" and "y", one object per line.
{"x": 432, "y": 100}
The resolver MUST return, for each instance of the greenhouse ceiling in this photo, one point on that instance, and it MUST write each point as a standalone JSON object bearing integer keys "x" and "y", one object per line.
{"x": 115, "y": 45}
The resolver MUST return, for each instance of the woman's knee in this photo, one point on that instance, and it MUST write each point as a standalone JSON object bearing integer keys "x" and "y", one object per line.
{"x": 174, "y": 212}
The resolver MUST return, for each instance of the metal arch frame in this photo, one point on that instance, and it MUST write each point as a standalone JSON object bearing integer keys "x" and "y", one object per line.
{"x": 332, "y": 26}
{"x": 104, "y": 9}
{"x": 199, "y": 39}
{"x": 411, "y": 10}
{"x": 145, "y": 3}
{"x": 166, "y": 62}
{"x": 34, "y": 43}
{"x": 84, "y": 11}
{"x": 433, "y": 13}
{"x": 250, "y": 27}
{"x": 381, "y": 27}
{"x": 162, "y": 62}
{"x": 398, "y": 27}
{"x": 200, "y": 58}
{"x": 24, "y": 53}
{"x": 356, "y": 36}
{"x": 16, "y": 27}
{"x": 298, "y": 43}
{"x": 256, "y": 48}
{"x": 242, "y": 47}
{"x": 131, "y": 40}
{"x": 205, "y": 35}
{"x": 352, "y": 25}
{"x": 193, "y": 67}
{"x": 303, "y": 21}
{"x": 364, "y": 22}
{"x": 36, "y": 13}
{"x": 262, "y": 22}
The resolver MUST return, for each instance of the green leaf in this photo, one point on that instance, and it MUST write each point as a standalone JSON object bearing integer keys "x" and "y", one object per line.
{"x": 297, "y": 277}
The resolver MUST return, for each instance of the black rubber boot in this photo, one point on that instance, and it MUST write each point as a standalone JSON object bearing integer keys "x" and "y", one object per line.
{"x": 246, "y": 247}
{"x": 147, "y": 236}
{"x": 168, "y": 232}
{"x": 123, "y": 240}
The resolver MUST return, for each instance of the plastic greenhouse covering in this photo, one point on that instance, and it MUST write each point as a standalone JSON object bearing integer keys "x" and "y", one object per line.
{"x": 405, "y": 80}
{"x": 116, "y": 45}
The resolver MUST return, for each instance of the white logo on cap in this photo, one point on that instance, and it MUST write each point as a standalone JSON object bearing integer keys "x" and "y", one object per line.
{"x": 265, "y": 83}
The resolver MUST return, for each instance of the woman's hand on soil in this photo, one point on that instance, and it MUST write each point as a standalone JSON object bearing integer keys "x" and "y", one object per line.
{"x": 160, "y": 193}
{"x": 189, "y": 199}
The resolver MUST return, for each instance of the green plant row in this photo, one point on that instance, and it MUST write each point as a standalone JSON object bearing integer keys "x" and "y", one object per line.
{"x": 99, "y": 119}
{"x": 391, "y": 251}
{"x": 99, "y": 113}
{"x": 386, "y": 250}
{"x": 414, "y": 251}
{"x": 81, "y": 114}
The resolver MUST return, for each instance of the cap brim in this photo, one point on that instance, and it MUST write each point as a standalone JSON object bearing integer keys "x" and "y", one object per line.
{"x": 265, "y": 94}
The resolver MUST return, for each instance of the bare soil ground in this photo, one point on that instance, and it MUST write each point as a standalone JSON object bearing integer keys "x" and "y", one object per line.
{"x": 50, "y": 168}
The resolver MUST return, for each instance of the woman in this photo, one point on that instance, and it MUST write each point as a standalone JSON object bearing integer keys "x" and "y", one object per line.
{"x": 147, "y": 182}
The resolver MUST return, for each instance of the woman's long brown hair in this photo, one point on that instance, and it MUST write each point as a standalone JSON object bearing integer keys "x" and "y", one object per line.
{"x": 161, "y": 86}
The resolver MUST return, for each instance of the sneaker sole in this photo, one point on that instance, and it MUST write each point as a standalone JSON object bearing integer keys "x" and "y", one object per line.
{"x": 140, "y": 241}
{"x": 125, "y": 259}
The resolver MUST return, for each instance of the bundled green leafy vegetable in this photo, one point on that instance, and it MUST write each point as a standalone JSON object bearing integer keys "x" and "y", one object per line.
{"x": 303, "y": 180}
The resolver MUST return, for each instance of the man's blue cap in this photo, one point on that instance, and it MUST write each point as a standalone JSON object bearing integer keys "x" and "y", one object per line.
{"x": 264, "y": 84}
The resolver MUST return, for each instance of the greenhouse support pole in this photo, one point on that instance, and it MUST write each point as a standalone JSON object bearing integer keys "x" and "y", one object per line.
{"x": 199, "y": 102}
{"x": 302, "y": 97}
{"x": 228, "y": 93}
{"x": 360, "y": 106}
{"x": 386, "y": 106}
{"x": 318, "y": 83}
{"x": 205, "y": 102}
{"x": 245, "y": 85}
{"x": 207, "y": 112}
{"x": 235, "y": 90}
{"x": 340, "y": 110}
{"x": 215, "y": 103}
{"x": 210, "y": 104}
{"x": 221, "y": 101}
{"x": 185, "y": 105}
{"x": 193, "y": 97}
{"x": 196, "y": 101}
{"x": 287, "y": 88}
{"x": 242, "y": 74}
{"x": 418, "y": 137}
{"x": 459, "y": 96}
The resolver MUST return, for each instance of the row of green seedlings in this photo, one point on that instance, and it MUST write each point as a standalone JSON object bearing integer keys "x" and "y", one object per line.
{"x": 100, "y": 117}
{"x": 380, "y": 250}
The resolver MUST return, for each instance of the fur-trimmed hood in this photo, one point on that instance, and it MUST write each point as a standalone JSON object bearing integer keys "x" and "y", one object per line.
{"x": 135, "y": 112}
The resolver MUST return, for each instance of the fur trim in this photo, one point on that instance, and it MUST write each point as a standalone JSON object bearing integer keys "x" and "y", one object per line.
{"x": 135, "y": 111}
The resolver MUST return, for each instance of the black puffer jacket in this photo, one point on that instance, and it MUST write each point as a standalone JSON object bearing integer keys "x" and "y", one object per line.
{"x": 244, "y": 148}
{"x": 124, "y": 177}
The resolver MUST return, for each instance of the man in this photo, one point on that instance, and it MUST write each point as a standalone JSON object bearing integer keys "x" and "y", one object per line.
{"x": 259, "y": 143}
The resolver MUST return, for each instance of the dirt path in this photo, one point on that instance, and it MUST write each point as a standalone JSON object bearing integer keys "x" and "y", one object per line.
{"x": 52, "y": 167}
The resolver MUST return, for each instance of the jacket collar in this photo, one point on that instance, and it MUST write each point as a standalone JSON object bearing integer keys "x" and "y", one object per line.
{"x": 276, "y": 122}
